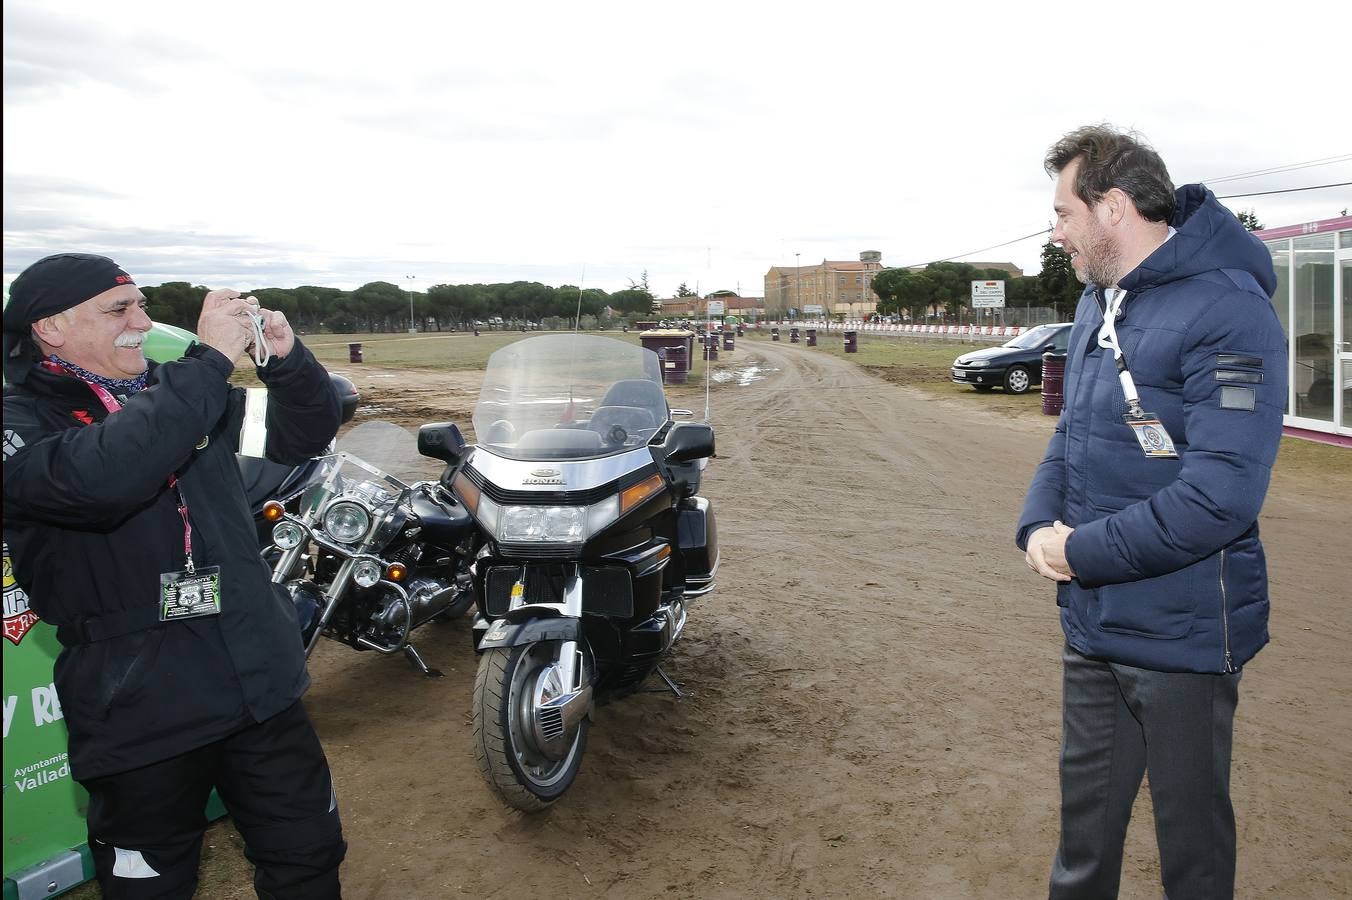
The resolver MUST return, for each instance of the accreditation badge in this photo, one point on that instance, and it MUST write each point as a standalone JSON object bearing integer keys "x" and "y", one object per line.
{"x": 186, "y": 595}
{"x": 1151, "y": 435}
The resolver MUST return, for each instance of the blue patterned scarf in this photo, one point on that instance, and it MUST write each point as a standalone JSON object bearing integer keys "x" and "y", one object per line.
{"x": 118, "y": 387}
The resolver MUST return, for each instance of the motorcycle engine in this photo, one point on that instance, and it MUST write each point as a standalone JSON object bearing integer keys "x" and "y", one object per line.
{"x": 426, "y": 597}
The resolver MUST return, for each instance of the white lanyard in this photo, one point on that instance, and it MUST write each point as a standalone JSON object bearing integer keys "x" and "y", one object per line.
{"x": 1107, "y": 339}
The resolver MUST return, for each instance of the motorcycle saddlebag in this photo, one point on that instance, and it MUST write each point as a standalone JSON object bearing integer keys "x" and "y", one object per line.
{"x": 698, "y": 535}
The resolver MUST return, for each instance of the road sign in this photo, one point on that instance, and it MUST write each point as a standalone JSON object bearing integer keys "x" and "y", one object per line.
{"x": 988, "y": 294}
{"x": 715, "y": 308}
{"x": 814, "y": 309}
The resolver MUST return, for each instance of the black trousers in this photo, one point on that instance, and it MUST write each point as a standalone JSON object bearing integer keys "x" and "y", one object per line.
{"x": 146, "y": 825}
{"x": 1120, "y": 722}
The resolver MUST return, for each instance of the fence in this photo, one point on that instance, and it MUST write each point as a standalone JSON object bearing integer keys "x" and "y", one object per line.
{"x": 939, "y": 332}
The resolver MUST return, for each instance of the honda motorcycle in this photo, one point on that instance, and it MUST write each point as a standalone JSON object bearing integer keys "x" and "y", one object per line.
{"x": 594, "y": 543}
{"x": 366, "y": 557}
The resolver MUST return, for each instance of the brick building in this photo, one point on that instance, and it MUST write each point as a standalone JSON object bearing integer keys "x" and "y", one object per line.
{"x": 838, "y": 287}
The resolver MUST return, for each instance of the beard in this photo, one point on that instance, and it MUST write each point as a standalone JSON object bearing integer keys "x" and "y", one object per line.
{"x": 1101, "y": 259}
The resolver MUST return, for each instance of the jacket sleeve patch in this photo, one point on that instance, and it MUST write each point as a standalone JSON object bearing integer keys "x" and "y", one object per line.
{"x": 1239, "y": 359}
{"x": 1238, "y": 397}
{"x": 1243, "y": 377}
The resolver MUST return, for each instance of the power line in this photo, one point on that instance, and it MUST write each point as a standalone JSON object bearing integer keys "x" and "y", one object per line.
{"x": 983, "y": 249}
{"x": 1287, "y": 190}
{"x": 1290, "y": 167}
{"x": 1026, "y": 237}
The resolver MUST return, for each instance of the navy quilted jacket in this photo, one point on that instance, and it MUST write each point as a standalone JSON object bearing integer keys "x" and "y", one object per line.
{"x": 1170, "y": 573}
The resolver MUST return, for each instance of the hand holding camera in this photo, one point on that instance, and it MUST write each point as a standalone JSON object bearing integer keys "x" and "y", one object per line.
{"x": 232, "y": 324}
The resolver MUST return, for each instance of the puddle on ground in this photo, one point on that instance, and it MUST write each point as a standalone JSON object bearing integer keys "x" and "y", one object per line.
{"x": 743, "y": 376}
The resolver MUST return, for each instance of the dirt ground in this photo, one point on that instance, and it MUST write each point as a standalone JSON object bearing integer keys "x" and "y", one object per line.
{"x": 874, "y": 686}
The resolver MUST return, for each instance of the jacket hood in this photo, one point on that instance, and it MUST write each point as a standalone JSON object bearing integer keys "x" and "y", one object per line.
{"x": 1208, "y": 238}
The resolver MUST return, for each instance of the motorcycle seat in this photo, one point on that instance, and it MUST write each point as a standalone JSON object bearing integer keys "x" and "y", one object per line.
{"x": 635, "y": 392}
{"x": 631, "y": 418}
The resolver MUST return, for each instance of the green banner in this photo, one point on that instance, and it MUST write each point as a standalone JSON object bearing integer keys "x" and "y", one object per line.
{"x": 44, "y": 808}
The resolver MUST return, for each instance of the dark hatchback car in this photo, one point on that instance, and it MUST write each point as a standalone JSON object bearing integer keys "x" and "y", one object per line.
{"x": 1015, "y": 366}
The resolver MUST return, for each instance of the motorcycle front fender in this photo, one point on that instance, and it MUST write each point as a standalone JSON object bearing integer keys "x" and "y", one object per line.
{"x": 503, "y": 633}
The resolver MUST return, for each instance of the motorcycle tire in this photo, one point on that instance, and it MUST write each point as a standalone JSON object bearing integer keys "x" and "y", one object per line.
{"x": 520, "y": 775}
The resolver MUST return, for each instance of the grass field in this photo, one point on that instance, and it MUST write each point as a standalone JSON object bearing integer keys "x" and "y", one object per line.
{"x": 458, "y": 352}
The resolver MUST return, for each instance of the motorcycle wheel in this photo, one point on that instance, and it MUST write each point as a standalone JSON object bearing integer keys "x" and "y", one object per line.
{"x": 522, "y": 776}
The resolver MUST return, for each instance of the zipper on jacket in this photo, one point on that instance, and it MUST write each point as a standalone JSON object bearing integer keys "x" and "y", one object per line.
{"x": 1225, "y": 617}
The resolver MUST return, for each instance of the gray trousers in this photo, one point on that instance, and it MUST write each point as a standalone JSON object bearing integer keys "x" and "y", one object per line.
{"x": 1120, "y": 722}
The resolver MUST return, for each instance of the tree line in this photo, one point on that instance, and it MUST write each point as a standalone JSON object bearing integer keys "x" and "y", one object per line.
{"x": 947, "y": 286}
{"x": 384, "y": 306}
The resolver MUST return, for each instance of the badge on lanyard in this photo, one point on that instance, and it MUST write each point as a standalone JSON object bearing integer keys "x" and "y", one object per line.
{"x": 188, "y": 595}
{"x": 1151, "y": 434}
{"x": 1149, "y": 430}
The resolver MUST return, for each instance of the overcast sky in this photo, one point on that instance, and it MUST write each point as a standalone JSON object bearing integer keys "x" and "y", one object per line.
{"x": 250, "y": 145}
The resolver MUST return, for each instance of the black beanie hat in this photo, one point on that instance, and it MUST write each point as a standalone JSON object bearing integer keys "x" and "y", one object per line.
{"x": 51, "y": 285}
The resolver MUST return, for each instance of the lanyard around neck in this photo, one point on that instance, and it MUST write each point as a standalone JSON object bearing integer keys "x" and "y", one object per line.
{"x": 1107, "y": 339}
{"x": 111, "y": 404}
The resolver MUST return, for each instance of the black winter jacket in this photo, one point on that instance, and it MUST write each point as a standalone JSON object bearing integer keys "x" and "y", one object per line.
{"x": 91, "y": 524}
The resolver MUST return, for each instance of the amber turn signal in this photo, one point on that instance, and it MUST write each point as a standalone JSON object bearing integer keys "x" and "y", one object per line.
{"x": 272, "y": 511}
{"x": 396, "y": 572}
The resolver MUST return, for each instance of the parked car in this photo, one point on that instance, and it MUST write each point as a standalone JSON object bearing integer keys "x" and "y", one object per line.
{"x": 1015, "y": 365}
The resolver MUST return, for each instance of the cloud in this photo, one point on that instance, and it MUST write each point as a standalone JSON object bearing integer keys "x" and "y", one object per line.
{"x": 50, "y": 51}
{"x": 261, "y": 143}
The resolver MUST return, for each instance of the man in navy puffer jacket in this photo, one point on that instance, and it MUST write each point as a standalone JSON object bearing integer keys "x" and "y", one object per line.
{"x": 1144, "y": 509}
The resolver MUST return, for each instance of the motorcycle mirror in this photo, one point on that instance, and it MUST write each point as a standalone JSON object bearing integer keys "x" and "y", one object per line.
{"x": 441, "y": 440}
{"x": 347, "y": 395}
{"x": 689, "y": 440}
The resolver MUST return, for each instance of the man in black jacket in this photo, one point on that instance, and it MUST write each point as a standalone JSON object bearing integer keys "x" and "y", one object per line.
{"x": 126, "y": 520}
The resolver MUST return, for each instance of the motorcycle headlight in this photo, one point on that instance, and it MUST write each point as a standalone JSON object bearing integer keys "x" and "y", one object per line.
{"x": 287, "y": 535}
{"x": 346, "y": 522}
{"x": 557, "y": 524}
{"x": 366, "y": 572}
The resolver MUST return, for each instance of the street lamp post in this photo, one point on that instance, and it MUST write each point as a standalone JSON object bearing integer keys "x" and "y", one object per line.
{"x": 798, "y": 284}
{"x": 411, "y": 329}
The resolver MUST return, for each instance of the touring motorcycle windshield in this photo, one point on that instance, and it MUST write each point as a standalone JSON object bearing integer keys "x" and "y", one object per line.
{"x": 569, "y": 396}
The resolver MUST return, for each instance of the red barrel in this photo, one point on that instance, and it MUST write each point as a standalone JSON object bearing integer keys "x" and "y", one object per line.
{"x": 354, "y": 353}
{"x": 851, "y": 342}
{"x": 1053, "y": 382}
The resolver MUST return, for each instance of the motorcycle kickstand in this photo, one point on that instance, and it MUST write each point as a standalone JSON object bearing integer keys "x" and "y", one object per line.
{"x": 411, "y": 653}
{"x": 672, "y": 686}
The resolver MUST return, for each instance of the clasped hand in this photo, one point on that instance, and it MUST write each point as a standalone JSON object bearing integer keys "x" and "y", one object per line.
{"x": 1046, "y": 553}
{"x": 226, "y": 323}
